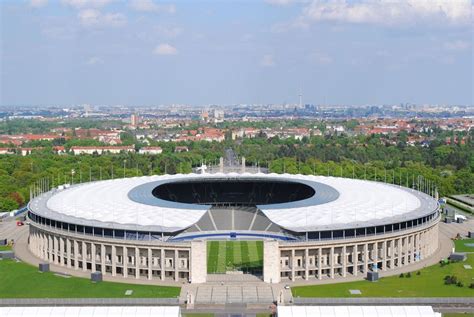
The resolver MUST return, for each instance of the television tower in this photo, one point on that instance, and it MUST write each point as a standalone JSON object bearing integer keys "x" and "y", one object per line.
{"x": 301, "y": 98}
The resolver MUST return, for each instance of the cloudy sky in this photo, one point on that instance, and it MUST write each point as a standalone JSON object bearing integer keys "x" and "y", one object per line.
{"x": 145, "y": 52}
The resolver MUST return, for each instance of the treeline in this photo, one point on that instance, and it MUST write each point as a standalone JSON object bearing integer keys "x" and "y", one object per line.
{"x": 450, "y": 167}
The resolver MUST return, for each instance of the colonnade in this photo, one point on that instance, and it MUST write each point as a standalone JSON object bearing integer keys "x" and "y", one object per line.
{"x": 352, "y": 257}
{"x": 165, "y": 261}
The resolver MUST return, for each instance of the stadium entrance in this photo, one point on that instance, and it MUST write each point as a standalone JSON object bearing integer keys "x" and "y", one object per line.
{"x": 235, "y": 257}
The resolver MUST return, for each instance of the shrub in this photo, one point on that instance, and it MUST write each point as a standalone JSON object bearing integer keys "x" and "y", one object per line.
{"x": 418, "y": 273}
{"x": 401, "y": 275}
{"x": 472, "y": 285}
{"x": 459, "y": 284}
{"x": 449, "y": 280}
{"x": 408, "y": 274}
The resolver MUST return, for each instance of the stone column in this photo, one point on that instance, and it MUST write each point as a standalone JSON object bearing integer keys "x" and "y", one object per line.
{"x": 68, "y": 252}
{"x": 399, "y": 251}
{"x": 392, "y": 254}
{"x": 149, "y": 264}
{"x": 406, "y": 248}
{"x": 84, "y": 256}
{"x": 50, "y": 248}
{"x": 102, "y": 258}
{"x": 61, "y": 251}
{"x": 331, "y": 262}
{"x": 344, "y": 261}
{"x": 320, "y": 270}
{"x": 125, "y": 261}
{"x": 176, "y": 265}
{"x": 113, "y": 260}
{"x": 355, "y": 260}
{"x": 384, "y": 255}
{"x": 56, "y": 250}
{"x": 163, "y": 264}
{"x": 42, "y": 248}
{"x": 271, "y": 262}
{"x": 366, "y": 258}
{"x": 198, "y": 262}
{"x": 93, "y": 256}
{"x": 293, "y": 264}
{"x": 137, "y": 263}
{"x": 76, "y": 254}
{"x": 306, "y": 264}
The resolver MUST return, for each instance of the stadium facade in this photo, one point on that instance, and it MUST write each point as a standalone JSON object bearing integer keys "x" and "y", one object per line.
{"x": 156, "y": 227}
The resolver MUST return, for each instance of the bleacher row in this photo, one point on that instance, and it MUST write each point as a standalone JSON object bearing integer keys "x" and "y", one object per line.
{"x": 234, "y": 218}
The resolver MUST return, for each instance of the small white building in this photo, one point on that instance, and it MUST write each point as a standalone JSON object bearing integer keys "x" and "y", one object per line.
{"x": 78, "y": 150}
{"x": 150, "y": 150}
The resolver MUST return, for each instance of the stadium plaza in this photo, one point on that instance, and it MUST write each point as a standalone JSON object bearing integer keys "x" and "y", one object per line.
{"x": 158, "y": 229}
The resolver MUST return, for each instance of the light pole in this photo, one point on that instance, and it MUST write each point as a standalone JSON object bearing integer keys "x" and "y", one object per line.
{"x": 124, "y": 162}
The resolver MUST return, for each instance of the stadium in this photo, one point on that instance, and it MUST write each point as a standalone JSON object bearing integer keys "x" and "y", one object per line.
{"x": 278, "y": 227}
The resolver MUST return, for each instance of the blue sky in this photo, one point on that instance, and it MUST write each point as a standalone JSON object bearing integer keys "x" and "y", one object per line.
{"x": 144, "y": 52}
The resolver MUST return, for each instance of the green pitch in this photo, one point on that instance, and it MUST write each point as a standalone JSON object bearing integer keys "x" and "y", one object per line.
{"x": 225, "y": 256}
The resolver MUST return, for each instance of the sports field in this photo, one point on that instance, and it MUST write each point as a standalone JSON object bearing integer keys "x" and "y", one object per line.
{"x": 225, "y": 256}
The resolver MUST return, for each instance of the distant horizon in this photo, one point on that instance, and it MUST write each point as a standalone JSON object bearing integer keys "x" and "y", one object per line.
{"x": 150, "y": 52}
{"x": 216, "y": 105}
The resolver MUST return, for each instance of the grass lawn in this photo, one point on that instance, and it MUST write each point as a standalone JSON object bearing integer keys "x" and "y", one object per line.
{"x": 21, "y": 280}
{"x": 225, "y": 256}
{"x": 462, "y": 247}
{"x": 429, "y": 284}
{"x": 5, "y": 248}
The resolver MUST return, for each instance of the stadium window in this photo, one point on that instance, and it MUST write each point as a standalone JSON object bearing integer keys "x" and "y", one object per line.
{"x": 88, "y": 230}
{"x": 380, "y": 229}
{"x": 360, "y": 232}
{"x": 388, "y": 228}
{"x": 108, "y": 232}
{"x": 338, "y": 234}
{"x": 313, "y": 235}
{"x": 325, "y": 235}
{"x": 370, "y": 230}
{"x": 119, "y": 233}
{"x": 72, "y": 227}
{"x": 98, "y": 232}
{"x": 396, "y": 227}
{"x": 349, "y": 233}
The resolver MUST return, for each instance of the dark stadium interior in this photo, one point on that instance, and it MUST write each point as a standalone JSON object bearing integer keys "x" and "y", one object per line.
{"x": 233, "y": 192}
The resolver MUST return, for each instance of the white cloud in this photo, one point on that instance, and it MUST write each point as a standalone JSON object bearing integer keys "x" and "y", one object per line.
{"x": 38, "y": 3}
{"x": 80, "y": 4}
{"x": 94, "y": 18}
{"x": 150, "y": 6}
{"x": 165, "y": 49}
{"x": 390, "y": 12}
{"x": 94, "y": 60}
{"x": 457, "y": 45}
{"x": 267, "y": 61}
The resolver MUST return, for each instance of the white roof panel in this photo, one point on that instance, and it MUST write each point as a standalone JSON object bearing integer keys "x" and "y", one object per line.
{"x": 110, "y": 204}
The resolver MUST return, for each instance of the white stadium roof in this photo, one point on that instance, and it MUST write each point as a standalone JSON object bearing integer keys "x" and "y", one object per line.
{"x": 91, "y": 311}
{"x": 357, "y": 311}
{"x": 128, "y": 203}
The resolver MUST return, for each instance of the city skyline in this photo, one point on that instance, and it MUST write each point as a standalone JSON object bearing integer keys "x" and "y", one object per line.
{"x": 150, "y": 52}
